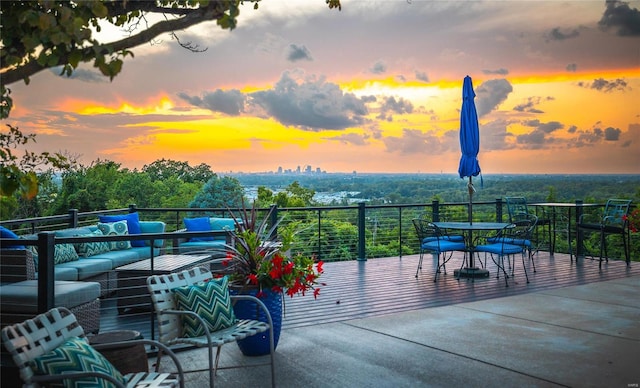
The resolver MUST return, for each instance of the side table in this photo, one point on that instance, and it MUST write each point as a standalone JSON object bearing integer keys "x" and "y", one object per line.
{"x": 126, "y": 359}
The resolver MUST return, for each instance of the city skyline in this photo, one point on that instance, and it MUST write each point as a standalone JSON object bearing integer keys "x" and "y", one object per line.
{"x": 375, "y": 87}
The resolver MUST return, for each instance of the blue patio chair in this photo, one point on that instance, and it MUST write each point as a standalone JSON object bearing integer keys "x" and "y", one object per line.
{"x": 612, "y": 221}
{"x": 434, "y": 240}
{"x": 510, "y": 241}
{"x": 518, "y": 209}
{"x": 527, "y": 223}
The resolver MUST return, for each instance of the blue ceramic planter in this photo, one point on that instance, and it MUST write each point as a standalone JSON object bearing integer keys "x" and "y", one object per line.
{"x": 258, "y": 345}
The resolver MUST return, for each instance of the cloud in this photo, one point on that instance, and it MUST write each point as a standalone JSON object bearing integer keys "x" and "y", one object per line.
{"x": 422, "y": 76}
{"x": 572, "y": 67}
{"x": 612, "y": 134}
{"x": 351, "y": 138}
{"x": 491, "y": 94}
{"x": 529, "y": 105}
{"x": 311, "y": 104}
{"x": 390, "y": 104}
{"x": 378, "y": 68}
{"x": 622, "y": 18}
{"x": 603, "y": 85}
{"x": 494, "y": 136}
{"x": 413, "y": 141}
{"x": 500, "y": 71}
{"x": 81, "y": 75}
{"x": 556, "y": 34}
{"x": 298, "y": 53}
{"x": 230, "y": 102}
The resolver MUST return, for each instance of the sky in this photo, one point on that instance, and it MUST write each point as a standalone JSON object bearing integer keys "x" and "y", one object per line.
{"x": 376, "y": 87}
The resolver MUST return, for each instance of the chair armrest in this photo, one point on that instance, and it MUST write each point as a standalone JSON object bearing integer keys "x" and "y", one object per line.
{"x": 76, "y": 376}
{"x": 260, "y": 304}
{"x": 161, "y": 347}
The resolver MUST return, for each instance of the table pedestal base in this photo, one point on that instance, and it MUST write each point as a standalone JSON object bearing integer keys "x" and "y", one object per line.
{"x": 472, "y": 273}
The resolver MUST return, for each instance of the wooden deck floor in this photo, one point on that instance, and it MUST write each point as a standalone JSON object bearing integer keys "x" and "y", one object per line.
{"x": 387, "y": 285}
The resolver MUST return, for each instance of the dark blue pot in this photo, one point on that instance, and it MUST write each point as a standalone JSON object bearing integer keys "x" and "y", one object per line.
{"x": 258, "y": 345}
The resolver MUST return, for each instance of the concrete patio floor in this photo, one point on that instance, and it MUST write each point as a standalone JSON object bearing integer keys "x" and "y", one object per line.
{"x": 579, "y": 336}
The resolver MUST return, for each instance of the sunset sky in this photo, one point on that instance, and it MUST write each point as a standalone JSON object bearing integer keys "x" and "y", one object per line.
{"x": 375, "y": 87}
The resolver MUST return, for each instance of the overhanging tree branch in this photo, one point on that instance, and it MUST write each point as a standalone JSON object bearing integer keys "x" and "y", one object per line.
{"x": 193, "y": 17}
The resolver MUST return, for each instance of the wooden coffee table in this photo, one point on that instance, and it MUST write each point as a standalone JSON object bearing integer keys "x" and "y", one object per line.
{"x": 131, "y": 291}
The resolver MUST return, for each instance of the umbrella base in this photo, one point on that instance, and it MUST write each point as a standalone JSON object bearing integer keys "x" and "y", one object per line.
{"x": 473, "y": 273}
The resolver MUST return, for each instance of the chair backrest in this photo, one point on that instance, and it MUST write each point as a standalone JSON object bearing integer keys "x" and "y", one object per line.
{"x": 523, "y": 226}
{"x": 426, "y": 230}
{"x": 614, "y": 211}
{"x": 517, "y": 208}
{"x": 39, "y": 335}
{"x": 160, "y": 286}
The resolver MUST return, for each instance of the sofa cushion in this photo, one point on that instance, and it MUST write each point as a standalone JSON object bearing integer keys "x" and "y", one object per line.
{"x": 76, "y": 355}
{"x": 191, "y": 246}
{"x": 198, "y": 224}
{"x": 153, "y": 227}
{"x": 72, "y": 232}
{"x": 227, "y": 224}
{"x": 123, "y": 257}
{"x": 6, "y": 233}
{"x": 118, "y": 228}
{"x": 88, "y": 267}
{"x": 88, "y": 249}
{"x": 133, "y": 224}
{"x": 23, "y": 296}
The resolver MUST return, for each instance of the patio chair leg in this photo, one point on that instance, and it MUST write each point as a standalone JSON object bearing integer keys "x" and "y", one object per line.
{"x": 215, "y": 368}
{"x": 525, "y": 267}
{"x": 419, "y": 264}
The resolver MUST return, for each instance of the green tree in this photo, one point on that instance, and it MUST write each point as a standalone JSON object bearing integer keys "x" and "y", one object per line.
{"x": 225, "y": 192}
{"x": 42, "y": 34}
{"x": 165, "y": 168}
{"x": 18, "y": 175}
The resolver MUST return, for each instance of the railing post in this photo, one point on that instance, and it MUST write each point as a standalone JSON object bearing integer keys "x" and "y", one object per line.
{"x": 73, "y": 218}
{"x": 362, "y": 256}
{"x": 133, "y": 208}
{"x": 498, "y": 209}
{"x": 46, "y": 274}
{"x": 273, "y": 219}
{"x": 435, "y": 210}
{"x": 400, "y": 230}
{"x": 579, "y": 234}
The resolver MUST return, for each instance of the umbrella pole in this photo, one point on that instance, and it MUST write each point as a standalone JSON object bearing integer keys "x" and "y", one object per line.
{"x": 471, "y": 190}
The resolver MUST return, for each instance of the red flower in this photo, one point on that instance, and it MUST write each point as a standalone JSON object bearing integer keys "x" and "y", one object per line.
{"x": 316, "y": 292}
{"x": 253, "y": 279}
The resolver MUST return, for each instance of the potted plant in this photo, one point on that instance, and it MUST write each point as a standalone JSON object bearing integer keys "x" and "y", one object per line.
{"x": 260, "y": 262}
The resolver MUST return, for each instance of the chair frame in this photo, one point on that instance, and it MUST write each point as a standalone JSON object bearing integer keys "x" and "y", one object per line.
{"x": 433, "y": 239}
{"x": 45, "y": 332}
{"x": 516, "y": 207}
{"x": 611, "y": 221}
{"x": 170, "y": 323}
{"x": 503, "y": 245}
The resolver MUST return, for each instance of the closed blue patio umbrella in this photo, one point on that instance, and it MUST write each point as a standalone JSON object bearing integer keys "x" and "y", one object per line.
{"x": 469, "y": 139}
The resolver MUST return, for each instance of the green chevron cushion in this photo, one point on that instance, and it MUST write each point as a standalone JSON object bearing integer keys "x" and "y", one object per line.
{"x": 116, "y": 228}
{"x": 211, "y": 301}
{"x": 76, "y": 355}
{"x": 89, "y": 249}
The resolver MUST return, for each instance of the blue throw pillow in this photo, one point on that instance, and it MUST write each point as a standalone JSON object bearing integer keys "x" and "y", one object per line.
{"x": 133, "y": 225}
{"x": 6, "y": 233}
{"x": 199, "y": 224}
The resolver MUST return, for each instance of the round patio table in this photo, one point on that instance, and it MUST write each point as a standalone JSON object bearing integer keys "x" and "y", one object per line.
{"x": 471, "y": 270}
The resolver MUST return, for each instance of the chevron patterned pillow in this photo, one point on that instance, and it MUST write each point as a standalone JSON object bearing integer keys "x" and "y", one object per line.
{"x": 211, "y": 301}
{"x": 76, "y": 355}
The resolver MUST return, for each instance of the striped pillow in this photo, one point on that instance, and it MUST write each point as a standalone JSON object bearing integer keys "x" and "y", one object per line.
{"x": 211, "y": 301}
